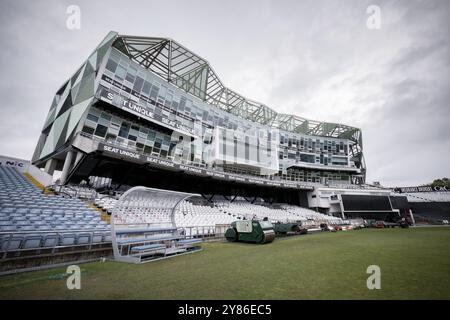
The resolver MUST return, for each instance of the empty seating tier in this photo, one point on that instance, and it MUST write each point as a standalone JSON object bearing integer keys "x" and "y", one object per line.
{"x": 30, "y": 219}
{"x": 198, "y": 218}
{"x": 443, "y": 196}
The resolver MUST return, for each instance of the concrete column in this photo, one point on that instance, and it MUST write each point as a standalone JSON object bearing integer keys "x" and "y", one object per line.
{"x": 50, "y": 166}
{"x": 66, "y": 167}
{"x": 78, "y": 158}
{"x": 341, "y": 205}
{"x": 412, "y": 217}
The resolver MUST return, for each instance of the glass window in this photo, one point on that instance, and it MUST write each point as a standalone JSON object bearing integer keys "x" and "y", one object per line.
{"x": 155, "y": 151}
{"x": 121, "y": 72}
{"x": 105, "y": 116}
{"x": 92, "y": 117}
{"x": 140, "y": 146}
{"x": 90, "y": 124}
{"x": 168, "y": 100}
{"x": 111, "y": 65}
{"x": 174, "y": 105}
{"x": 147, "y": 149}
{"x": 131, "y": 74}
{"x": 143, "y": 133}
{"x": 182, "y": 104}
{"x": 101, "y": 131}
{"x": 151, "y": 136}
{"x": 146, "y": 88}
{"x": 115, "y": 55}
{"x": 114, "y": 126}
{"x": 154, "y": 92}
{"x": 116, "y": 120}
{"x": 110, "y": 136}
{"x": 124, "y": 129}
{"x": 163, "y": 91}
{"x": 138, "y": 84}
{"x": 104, "y": 122}
{"x": 88, "y": 130}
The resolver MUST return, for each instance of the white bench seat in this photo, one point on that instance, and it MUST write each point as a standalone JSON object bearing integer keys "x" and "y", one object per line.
{"x": 149, "y": 247}
{"x": 189, "y": 241}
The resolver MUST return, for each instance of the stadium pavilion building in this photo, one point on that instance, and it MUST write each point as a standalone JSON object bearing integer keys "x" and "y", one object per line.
{"x": 148, "y": 111}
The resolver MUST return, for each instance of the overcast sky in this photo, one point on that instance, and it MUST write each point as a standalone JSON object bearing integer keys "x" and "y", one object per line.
{"x": 315, "y": 59}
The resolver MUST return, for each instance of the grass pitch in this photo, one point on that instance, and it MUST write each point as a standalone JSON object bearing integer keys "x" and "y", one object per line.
{"x": 415, "y": 264}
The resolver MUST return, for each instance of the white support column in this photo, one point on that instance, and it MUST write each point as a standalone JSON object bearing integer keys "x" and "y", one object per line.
{"x": 412, "y": 217}
{"x": 50, "y": 166}
{"x": 66, "y": 167}
{"x": 341, "y": 205}
{"x": 78, "y": 158}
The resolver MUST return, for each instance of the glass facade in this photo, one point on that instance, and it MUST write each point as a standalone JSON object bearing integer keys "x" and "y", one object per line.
{"x": 154, "y": 96}
{"x": 218, "y": 138}
{"x": 104, "y": 125}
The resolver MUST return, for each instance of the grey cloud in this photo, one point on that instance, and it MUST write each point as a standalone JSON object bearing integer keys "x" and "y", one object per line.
{"x": 419, "y": 52}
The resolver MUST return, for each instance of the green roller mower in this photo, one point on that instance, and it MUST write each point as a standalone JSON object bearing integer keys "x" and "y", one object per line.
{"x": 252, "y": 231}
{"x": 288, "y": 229}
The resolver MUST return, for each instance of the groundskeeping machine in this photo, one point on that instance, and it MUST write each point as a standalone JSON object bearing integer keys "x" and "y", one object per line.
{"x": 288, "y": 229}
{"x": 252, "y": 231}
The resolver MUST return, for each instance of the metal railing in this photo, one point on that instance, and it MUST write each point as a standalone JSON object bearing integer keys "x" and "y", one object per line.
{"x": 206, "y": 233}
{"x": 76, "y": 191}
{"x": 275, "y": 177}
{"x": 203, "y": 232}
{"x": 8, "y": 236}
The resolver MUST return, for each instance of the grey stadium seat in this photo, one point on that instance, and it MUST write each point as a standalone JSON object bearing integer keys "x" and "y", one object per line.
{"x": 50, "y": 240}
{"x": 32, "y": 242}
{"x": 67, "y": 239}
{"x": 84, "y": 238}
{"x": 12, "y": 243}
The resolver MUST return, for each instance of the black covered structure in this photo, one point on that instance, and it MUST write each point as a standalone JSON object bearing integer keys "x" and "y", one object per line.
{"x": 124, "y": 172}
{"x": 387, "y": 208}
{"x": 433, "y": 211}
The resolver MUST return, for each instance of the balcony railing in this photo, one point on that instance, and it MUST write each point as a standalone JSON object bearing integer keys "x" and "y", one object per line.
{"x": 275, "y": 177}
